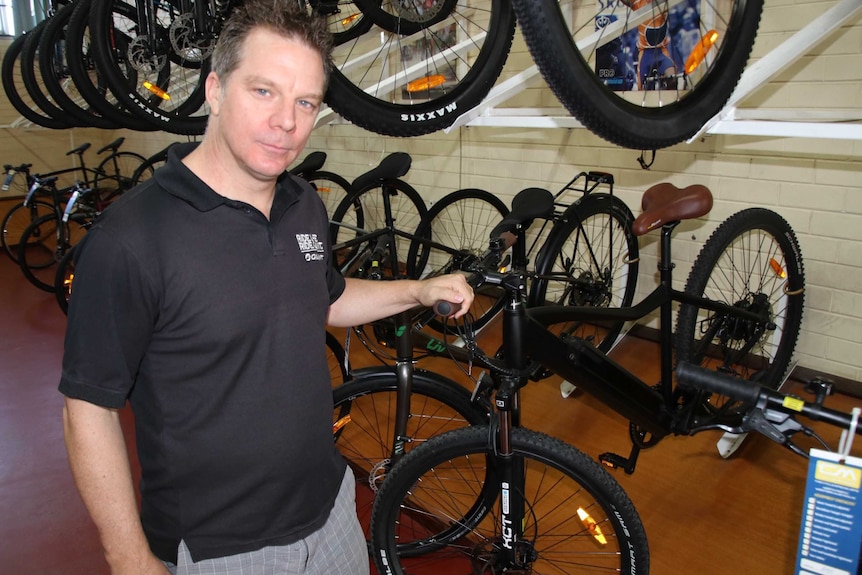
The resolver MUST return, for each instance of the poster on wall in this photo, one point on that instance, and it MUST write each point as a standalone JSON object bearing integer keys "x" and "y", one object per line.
{"x": 652, "y": 56}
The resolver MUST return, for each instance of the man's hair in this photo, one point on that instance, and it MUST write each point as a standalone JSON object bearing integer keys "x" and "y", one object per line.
{"x": 287, "y": 18}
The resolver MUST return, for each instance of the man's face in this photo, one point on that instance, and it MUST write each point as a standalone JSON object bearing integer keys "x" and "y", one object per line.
{"x": 263, "y": 115}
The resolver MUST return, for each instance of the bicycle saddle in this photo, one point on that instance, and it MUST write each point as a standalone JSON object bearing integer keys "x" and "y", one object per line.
{"x": 392, "y": 166}
{"x": 527, "y": 205}
{"x": 664, "y": 203}
{"x": 313, "y": 162}
{"x": 113, "y": 146}
{"x": 80, "y": 149}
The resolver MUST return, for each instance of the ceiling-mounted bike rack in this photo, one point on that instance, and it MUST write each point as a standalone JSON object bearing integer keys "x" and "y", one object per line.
{"x": 790, "y": 123}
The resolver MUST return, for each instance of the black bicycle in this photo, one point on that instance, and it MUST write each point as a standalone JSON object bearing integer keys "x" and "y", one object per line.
{"x": 499, "y": 498}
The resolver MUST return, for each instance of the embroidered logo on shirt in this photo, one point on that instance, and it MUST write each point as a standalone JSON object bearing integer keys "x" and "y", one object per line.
{"x": 311, "y": 247}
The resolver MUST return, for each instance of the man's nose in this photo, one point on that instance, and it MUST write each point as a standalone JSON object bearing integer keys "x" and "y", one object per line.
{"x": 284, "y": 117}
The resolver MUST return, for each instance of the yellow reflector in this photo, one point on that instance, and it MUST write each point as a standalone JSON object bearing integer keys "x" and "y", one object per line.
{"x": 699, "y": 52}
{"x": 776, "y": 267}
{"x": 157, "y": 91}
{"x": 590, "y": 524}
{"x": 426, "y": 83}
{"x": 336, "y": 427}
{"x": 349, "y": 20}
{"x": 67, "y": 283}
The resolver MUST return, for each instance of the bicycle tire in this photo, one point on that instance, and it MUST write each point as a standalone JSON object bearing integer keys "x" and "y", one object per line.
{"x": 63, "y": 279}
{"x": 437, "y": 404}
{"x": 331, "y": 188}
{"x": 13, "y": 84}
{"x": 456, "y": 528}
{"x": 150, "y": 165}
{"x": 180, "y": 72}
{"x": 339, "y": 372}
{"x": 53, "y": 60}
{"x": 735, "y": 267}
{"x": 646, "y": 119}
{"x": 369, "y": 82}
{"x": 32, "y": 78}
{"x": 589, "y": 259}
{"x": 43, "y": 244}
{"x": 365, "y": 208}
{"x": 87, "y": 77}
{"x": 15, "y": 223}
{"x": 461, "y": 220}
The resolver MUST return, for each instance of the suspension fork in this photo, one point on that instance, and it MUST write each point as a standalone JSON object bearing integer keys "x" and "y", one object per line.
{"x": 147, "y": 22}
{"x": 404, "y": 384}
{"x": 511, "y": 477}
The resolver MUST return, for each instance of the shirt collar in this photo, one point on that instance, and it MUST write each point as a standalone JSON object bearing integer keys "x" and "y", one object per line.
{"x": 180, "y": 181}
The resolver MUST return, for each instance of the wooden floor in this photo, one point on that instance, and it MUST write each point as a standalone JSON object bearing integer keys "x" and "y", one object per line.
{"x": 703, "y": 515}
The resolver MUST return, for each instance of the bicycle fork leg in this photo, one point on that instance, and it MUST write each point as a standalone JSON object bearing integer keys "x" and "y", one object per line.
{"x": 514, "y": 552}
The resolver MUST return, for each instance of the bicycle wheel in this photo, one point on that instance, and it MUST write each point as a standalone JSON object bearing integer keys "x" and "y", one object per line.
{"x": 462, "y": 221}
{"x": 15, "y": 223}
{"x": 13, "y": 84}
{"x": 115, "y": 174}
{"x": 366, "y": 209}
{"x": 43, "y": 244}
{"x": 88, "y": 79}
{"x": 589, "y": 259}
{"x": 422, "y": 64}
{"x": 63, "y": 278}
{"x": 32, "y": 77}
{"x": 438, "y": 511}
{"x": 752, "y": 262}
{"x": 366, "y": 407}
{"x": 53, "y": 65}
{"x": 630, "y": 70}
{"x": 165, "y": 67}
{"x": 331, "y": 188}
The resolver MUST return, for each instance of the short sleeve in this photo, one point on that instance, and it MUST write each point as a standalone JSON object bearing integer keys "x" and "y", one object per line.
{"x": 110, "y": 321}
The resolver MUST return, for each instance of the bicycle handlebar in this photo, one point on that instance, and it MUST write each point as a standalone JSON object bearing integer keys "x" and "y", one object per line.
{"x": 696, "y": 377}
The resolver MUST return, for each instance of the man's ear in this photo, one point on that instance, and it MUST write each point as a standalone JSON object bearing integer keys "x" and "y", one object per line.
{"x": 214, "y": 93}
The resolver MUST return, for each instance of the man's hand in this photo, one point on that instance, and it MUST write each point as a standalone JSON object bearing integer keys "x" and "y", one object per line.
{"x": 452, "y": 288}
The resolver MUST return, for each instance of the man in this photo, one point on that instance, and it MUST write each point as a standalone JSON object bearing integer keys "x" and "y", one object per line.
{"x": 201, "y": 297}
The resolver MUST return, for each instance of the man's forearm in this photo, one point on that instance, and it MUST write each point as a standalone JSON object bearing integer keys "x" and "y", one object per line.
{"x": 100, "y": 466}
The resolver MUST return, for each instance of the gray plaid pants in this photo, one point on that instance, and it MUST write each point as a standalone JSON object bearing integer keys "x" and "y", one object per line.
{"x": 337, "y": 548}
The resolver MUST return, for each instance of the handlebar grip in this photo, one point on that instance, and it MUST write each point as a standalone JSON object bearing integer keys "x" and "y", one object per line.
{"x": 445, "y": 308}
{"x": 689, "y": 375}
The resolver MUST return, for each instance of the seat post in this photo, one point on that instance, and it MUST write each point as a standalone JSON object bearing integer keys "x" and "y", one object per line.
{"x": 665, "y": 267}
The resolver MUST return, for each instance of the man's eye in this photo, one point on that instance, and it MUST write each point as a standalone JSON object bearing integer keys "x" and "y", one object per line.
{"x": 262, "y": 91}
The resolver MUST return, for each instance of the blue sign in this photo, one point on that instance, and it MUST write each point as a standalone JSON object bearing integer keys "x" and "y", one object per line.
{"x": 831, "y": 534}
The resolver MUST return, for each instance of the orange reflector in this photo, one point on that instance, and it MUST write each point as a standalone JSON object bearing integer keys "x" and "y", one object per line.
{"x": 336, "y": 427}
{"x": 323, "y": 190}
{"x": 699, "y": 52}
{"x": 590, "y": 524}
{"x": 349, "y": 20}
{"x": 426, "y": 83}
{"x": 157, "y": 91}
{"x": 776, "y": 267}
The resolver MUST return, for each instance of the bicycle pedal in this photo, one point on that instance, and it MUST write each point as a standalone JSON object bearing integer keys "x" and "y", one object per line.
{"x": 612, "y": 460}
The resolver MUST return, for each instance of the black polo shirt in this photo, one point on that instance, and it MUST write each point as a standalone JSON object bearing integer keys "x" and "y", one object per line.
{"x": 210, "y": 319}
